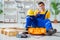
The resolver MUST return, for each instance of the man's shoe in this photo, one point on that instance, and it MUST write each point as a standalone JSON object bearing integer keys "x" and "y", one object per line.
{"x": 51, "y": 31}
{"x": 25, "y": 33}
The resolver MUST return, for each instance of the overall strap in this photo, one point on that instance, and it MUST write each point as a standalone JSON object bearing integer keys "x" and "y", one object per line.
{"x": 46, "y": 12}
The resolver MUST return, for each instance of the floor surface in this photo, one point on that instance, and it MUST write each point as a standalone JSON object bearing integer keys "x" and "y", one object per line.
{"x": 54, "y": 37}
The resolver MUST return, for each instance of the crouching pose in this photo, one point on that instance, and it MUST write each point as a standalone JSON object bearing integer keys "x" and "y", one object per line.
{"x": 42, "y": 17}
{"x": 39, "y": 18}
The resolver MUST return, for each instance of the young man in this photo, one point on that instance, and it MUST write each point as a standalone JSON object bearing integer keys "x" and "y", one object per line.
{"x": 39, "y": 18}
{"x": 42, "y": 16}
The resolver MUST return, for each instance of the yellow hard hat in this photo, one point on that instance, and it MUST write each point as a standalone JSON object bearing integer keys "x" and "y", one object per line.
{"x": 30, "y": 12}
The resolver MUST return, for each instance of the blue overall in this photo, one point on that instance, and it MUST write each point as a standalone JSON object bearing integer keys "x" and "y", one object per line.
{"x": 43, "y": 22}
{"x": 38, "y": 21}
{"x": 31, "y": 21}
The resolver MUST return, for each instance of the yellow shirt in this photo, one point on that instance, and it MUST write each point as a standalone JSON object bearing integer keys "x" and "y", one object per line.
{"x": 43, "y": 12}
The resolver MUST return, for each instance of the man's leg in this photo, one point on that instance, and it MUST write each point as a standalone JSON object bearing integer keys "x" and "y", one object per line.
{"x": 48, "y": 24}
{"x": 28, "y": 22}
{"x": 31, "y": 21}
{"x": 34, "y": 22}
{"x": 40, "y": 22}
{"x": 49, "y": 27}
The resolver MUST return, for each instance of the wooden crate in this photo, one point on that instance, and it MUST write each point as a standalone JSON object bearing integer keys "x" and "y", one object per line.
{"x": 18, "y": 29}
{"x": 10, "y": 32}
{"x": 2, "y": 30}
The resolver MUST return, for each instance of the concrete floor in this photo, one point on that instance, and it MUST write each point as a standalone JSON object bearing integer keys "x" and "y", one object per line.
{"x": 3, "y": 37}
{"x": 54, "y": 37}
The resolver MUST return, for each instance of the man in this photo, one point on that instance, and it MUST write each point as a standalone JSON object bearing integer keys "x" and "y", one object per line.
{"x": 39, "y": 18}
{"x": 42, "y": 16}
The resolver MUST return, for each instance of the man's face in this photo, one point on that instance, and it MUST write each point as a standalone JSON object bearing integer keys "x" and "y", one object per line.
{"x": 41, "y": 6}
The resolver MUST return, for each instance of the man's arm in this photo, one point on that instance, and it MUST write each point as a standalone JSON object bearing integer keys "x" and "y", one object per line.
{"x": 48, "y": 14}
{"x": 36, "y": 12}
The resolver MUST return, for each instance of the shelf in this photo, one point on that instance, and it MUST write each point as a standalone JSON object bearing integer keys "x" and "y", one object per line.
{"x": 9, "y": 2}
{"x": 1, "y": 21}
{"x": 21, "y": 12}
{"x": 24, "y": 1}
{"x": 10, "y": 22}
{"x": 10, "y": 8}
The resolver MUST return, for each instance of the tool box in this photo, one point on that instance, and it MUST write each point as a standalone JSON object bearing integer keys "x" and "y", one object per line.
{"x": 37, "y": 31}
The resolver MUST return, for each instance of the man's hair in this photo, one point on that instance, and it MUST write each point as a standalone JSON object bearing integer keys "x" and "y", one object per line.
{"x": 41, "y": 3}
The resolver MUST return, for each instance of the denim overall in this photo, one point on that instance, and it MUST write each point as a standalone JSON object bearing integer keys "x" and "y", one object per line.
{"x": 43, "y": 22}
{"x": 38, "y": 21}
{"x": 31, "y": 21}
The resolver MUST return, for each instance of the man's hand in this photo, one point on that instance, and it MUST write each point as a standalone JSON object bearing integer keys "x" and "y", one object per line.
{"x": 38, "y": 12}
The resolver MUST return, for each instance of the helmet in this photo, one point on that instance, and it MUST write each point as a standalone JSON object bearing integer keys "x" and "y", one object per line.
{"x": 30, "y": 12}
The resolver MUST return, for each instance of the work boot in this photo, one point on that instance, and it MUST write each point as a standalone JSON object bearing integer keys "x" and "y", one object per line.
{"x": 51, "y": 31}
{"x": 21, "y": 36}
{"x": 25, "y": 33}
